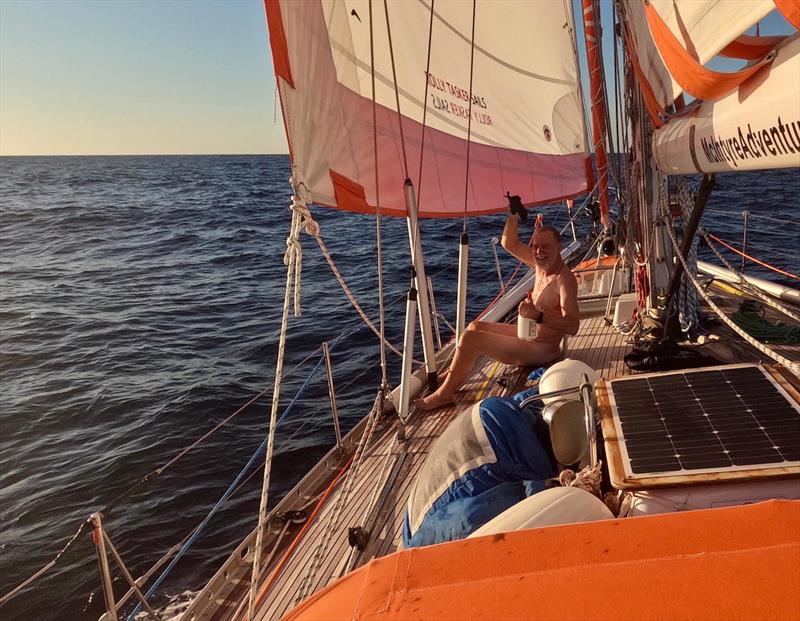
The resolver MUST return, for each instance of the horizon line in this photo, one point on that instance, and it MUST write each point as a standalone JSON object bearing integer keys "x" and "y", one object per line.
{"x": 131, "y": 154}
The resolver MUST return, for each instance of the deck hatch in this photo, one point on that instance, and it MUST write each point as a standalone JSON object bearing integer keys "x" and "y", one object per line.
{"x": 735, "y": 418}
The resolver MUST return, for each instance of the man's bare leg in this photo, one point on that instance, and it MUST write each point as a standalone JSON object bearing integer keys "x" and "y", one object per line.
{"x": 501, "y": 347}
{"x": 483, "y": 326}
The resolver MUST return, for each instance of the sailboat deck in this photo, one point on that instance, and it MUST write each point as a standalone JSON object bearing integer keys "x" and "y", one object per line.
{"x": 303, "y": 557}
{"x": 388, "y": 459}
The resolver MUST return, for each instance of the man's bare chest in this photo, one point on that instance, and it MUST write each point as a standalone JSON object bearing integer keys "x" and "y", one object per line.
{"x": 545, "y": 292}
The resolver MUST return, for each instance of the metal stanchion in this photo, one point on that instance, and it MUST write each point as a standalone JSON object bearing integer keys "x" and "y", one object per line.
{"x": 334, "y": 411}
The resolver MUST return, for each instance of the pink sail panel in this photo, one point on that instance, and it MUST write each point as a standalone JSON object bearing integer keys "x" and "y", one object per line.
{"x": 527, "y": 132}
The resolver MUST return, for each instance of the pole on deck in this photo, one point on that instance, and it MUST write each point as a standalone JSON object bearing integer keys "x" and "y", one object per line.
{"x": 326, "y": 350}
{"x": 463, "y": 265}
{"x": 408, "y": 356}
{"x": 745, "y": 216}
{"x": 105, "y": 572}
{"x": 423, "y": 306}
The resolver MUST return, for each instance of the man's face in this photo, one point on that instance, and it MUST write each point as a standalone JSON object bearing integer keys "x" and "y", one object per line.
{"x": 546, "y": 250}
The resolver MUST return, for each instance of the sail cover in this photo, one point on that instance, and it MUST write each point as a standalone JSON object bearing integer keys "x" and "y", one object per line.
{"x": 527, "y": 133}
{"x": 702, "y": 27}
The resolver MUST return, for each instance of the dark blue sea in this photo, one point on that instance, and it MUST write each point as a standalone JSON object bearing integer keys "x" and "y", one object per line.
{"x": 140, "y": 305}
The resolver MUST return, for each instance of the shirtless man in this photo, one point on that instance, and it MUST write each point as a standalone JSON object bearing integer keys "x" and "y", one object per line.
{"x": 553, "y": 304}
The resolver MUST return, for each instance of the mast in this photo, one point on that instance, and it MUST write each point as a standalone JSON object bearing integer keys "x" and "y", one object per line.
{"x": 592, "y": 32}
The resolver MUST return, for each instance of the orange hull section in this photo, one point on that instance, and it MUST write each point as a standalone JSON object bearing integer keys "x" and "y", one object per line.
{"x": 731, "y": 563}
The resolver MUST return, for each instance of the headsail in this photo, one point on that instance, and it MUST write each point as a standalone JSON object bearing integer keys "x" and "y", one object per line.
{"x": 527, "y": 131}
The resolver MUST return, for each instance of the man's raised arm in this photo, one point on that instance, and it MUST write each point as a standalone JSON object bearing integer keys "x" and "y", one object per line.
{"x": 510, "y": 241}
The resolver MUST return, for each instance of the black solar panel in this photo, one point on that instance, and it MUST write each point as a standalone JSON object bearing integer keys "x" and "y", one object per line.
{"x": 724, "y": 418}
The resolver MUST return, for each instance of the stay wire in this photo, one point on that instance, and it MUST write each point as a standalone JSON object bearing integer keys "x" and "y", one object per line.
{"x": 469, "y": 115}
{"x": 378, "y": 236}
{"x": 425, "y": 103}
{"x": 396, "y": 88}
{"x": 232, "y": 487}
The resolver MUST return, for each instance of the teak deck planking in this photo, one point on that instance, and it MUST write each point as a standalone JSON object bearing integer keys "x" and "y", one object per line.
{"x": 597, "y": 343}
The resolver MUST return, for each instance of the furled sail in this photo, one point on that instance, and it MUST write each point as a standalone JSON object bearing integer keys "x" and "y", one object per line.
{"x": 755, "y": 127}
{"x": 526, "y": 133}
{"x": 703, "y": 28}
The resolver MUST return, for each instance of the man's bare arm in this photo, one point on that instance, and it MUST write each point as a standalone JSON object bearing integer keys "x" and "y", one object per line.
{"x": 510, "y": 241}
{"x": 568, "y": 321}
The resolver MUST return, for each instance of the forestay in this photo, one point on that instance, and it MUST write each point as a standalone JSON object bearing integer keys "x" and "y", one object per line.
{"x": 526, "y": 133}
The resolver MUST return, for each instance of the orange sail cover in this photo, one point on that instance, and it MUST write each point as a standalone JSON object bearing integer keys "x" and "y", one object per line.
{"x": 728, "y": 563}
{"x": 526, "y": 132}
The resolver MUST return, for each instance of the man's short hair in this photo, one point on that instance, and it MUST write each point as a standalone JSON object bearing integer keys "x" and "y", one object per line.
{"x": 552, "y": 230}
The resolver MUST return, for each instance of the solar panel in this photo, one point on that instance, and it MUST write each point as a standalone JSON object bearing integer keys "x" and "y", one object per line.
{"x": 720, "y": 419}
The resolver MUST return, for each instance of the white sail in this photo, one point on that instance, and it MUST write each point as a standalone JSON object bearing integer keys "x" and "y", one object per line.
{"x": 755, "y": 127}
{"x": 703, "y": 27}
{"x": 527, "y": 131}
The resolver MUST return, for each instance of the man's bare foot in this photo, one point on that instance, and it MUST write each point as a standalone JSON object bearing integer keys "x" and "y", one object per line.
{"x": 442, "y": 377}
{"x": 434, "y": 400}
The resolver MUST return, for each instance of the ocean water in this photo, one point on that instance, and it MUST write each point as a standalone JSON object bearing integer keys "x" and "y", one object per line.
{"x": 140, "y": 305}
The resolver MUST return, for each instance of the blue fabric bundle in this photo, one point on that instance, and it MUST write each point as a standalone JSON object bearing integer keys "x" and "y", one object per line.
{"x": 516, "y": 466}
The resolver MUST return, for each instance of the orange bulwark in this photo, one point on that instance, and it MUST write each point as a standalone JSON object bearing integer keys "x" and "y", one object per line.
{"x": 727, "y": 563}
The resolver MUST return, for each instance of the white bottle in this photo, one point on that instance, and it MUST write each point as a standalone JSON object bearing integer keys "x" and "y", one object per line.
{"x": 526, "y": 328}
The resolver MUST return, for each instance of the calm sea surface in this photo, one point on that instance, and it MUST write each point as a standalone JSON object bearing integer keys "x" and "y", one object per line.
{"x": 140, "y": 305}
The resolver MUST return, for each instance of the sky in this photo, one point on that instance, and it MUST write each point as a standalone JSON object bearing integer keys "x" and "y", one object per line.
{"x": 105, "y": 77}
{"x": 136, "y": 77}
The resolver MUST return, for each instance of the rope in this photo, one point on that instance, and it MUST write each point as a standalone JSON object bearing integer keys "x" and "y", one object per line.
{"x": 753, "y": 259}
{"x": 262, "y": 509}
{"x": 765, "y": 331}
{"x": 353, "y": 300}
{"x": 758, "y": 215}
{"x": 791, "y": 366}
{"x": 589, "y": 479}
{"x": 233, "y": 486}
{"x": 748, "y": 288}
{"x": 47, "y": 567}
{"x": 688, "y": 307}
{"x": 276, "y": 572}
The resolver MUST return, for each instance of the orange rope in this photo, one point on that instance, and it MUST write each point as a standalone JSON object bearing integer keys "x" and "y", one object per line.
{"x": 754, "y": 260}
{"x": 276, "y": 572}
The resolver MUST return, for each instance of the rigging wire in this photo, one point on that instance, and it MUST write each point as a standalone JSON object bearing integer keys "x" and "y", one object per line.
{"x": 425, "y": 103}
{"x": 791, "y": 366}
{"x": 753, "y": 259}
{"x": 396, "y": 89}
{"x": 469, "y": 115}
{"x": 378, "y": 238}
{"x": 746, "y": 286}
